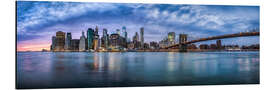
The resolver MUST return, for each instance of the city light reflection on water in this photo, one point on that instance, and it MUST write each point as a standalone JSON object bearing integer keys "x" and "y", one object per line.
{"x": 81, "y": 69}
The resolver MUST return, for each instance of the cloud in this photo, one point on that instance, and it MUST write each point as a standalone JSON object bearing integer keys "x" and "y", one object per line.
{"x": 47, "y": 12}
{"x": 37, "y": 20}
{"x": 203, "y": 16}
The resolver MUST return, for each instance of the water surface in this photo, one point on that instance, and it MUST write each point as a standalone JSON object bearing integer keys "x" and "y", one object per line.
{"x": 107, "y": 69}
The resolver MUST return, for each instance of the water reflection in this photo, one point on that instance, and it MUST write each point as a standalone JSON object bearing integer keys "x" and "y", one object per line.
{"x": 114, "y": 63}
{"x": 80, "y": 69}
{"x": 172, "y": 62}
{"x": 205, "y": 68}
{"x": 27, "y": 64}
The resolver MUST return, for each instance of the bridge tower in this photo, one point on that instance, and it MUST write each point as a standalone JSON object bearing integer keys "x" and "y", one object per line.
{"x": 182, "y": 40}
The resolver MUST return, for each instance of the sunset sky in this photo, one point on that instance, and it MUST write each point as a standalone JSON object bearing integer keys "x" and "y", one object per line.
{"x": 38, "y": 21}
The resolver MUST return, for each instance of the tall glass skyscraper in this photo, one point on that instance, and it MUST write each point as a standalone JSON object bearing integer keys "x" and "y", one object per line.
{"x": 90, "y": 38}
{"x": 171, "y": 38}
{"x": 142, "y": 38}
{"x": 96, "y": 39}
{"x": 82, "y": 45}
{"x": 105, "y": 39}
{"x": 96, "y": 30}
{"x": 68, "y": 41}
{"x": 53, "y": 43}
{"x": 125, "y": 32}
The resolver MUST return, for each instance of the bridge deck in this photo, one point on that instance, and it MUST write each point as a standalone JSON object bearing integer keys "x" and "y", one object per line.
{"x": 242, "y": 34}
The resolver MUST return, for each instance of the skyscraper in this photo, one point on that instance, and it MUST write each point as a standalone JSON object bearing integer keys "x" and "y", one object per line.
{"x": 82, "y": 45}
{"x": 163, "y": 43}
{"x": 96, "y": 43}
{"x": 53, "y": 43}
{"x": 142, "y": 37}
{"x": 116, "y": 41}
{"x": 125, "y": 32}
{"x": 75, "y": 44}
{"x": 105, "y": 39}
{"x": 96, "y": 30}
{"x": 68, "y": 41}
{"x": 125, "y": 35}
{"x": 90, "y": 38}
{"x": 118, "y": 31}
{"x": 153, "y": 45}
{"x": 96, "y": 40}
{"x": 60, "y": 41}
{"x": 136, "y": 37}
{"x": 171, "y": 38}
{"x": 136, "y": 40}
{"x": 105, "y": 32}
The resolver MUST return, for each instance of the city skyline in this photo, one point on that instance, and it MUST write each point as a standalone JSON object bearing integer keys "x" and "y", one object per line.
{"x": 37, "y": 22}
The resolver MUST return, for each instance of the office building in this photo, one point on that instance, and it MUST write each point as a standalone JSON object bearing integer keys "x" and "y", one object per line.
{"x": 136, "y": 37}
{"x": 213, "y": 46}
{"x": 90, "y": 38}
{"x": 204, "y": 46}
{"x": 191, "y": 46}
{"x": 53, "y": 43}
{"x": 136, "y": 41}
{"x": 75, "y": 44}
{"x": 96, "y": 30}
{"x": 146, "y": 46}
{"x": 125, "y": 32}
{"x": 153, "y": 45}
{"x": 116, "y": 41}
{"x": 163, "y": 43}
{"x": 60, "y": 41}
{"x": 96, "y": 43}
{"x": 125, "y": 36}
{"x": 105, "y": 39}
{"x": 142, "y": 37}
{"x": 171, "y": 38}
{"x": 130, "y": 46}
{"x": 68, "y": 41}
{"x": 82, "y": 45}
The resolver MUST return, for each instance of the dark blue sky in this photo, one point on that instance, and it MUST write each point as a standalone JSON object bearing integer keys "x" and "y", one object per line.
{"x": 38, "y": 21}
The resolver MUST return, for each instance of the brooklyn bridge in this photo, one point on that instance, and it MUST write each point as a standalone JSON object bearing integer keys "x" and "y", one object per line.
{"x": 182, "y": 45}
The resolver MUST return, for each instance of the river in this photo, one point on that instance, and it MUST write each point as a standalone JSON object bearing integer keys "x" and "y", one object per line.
{"x": 118, "y": 69}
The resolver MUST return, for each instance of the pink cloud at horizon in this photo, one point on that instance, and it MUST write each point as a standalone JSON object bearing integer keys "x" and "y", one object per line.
{"x": 33, "y": 45}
